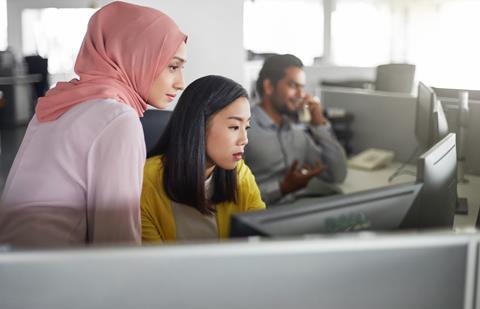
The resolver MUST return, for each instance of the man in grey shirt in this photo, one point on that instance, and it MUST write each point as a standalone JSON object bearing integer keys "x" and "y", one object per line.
{"x": 290, "y": 159}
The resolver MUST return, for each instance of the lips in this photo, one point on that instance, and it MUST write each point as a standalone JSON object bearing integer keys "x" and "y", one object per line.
{"x": 171, "y": 97}
{"x": 238, "y": 156}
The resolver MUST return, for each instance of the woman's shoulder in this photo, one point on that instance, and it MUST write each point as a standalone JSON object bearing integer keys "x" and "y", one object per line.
{"x": 104, "y": 107}
{"x": 99, "y": 114}
{"x": 248, "y": 191}
{"x": 153, "y": 167}
{"x": 112, "y": 109}
{"x": 243, "y": 171}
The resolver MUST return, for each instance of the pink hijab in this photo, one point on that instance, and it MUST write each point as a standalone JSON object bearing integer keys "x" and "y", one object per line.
{"x": 125, "y": 49}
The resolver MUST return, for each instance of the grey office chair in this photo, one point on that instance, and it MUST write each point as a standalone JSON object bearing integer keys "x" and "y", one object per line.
{"x": 154, "y": 123}
{"x": 395, "y": 77}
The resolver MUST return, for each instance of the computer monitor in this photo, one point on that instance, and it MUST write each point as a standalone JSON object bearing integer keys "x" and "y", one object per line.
{"x": 379, "y": 209}
{"x": 430, "y": 123}
{"x": 434, "y": 270}
{"x": 437, "y": 170}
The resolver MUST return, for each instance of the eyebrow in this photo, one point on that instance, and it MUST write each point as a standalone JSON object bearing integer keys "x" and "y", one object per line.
{"x": 238, "y": 118}
{"x": 296, "y": 84}
{"x": 179, "y": 59}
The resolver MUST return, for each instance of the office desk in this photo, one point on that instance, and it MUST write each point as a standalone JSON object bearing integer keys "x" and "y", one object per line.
{"x": 359, "y": 180}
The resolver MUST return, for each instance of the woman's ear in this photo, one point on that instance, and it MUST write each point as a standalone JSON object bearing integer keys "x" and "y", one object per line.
{"x": 267, "y": 87}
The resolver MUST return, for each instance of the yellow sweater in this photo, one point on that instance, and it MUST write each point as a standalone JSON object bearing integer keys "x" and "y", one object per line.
{"x": 158, "y": 222}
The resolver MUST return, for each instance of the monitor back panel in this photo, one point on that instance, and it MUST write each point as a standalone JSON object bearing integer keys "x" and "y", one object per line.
{"x": 350, "y": 272}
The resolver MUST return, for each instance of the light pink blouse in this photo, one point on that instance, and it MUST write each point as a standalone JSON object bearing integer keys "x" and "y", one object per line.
{"x": 77, "y": 179}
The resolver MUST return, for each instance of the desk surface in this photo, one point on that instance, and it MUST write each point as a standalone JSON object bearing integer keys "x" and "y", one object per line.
{"x": 360, "y": 180}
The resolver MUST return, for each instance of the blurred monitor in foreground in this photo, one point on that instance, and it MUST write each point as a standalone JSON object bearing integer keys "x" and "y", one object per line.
{"x": 435, "y": 270}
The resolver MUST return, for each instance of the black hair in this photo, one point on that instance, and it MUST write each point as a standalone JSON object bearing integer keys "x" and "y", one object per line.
{"x": 183, "y": 144}
{"x": 274, "y": 69}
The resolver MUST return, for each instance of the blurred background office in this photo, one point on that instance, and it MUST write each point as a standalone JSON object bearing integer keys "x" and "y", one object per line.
{"x": 342, "y": 43}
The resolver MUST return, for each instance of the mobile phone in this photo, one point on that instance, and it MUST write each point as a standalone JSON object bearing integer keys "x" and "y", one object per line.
{"x": 304, "y": 114}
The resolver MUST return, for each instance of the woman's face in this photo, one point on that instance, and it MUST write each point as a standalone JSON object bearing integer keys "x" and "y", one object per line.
{"x": 227, "y": 134}
{"x": 170, "y": 80}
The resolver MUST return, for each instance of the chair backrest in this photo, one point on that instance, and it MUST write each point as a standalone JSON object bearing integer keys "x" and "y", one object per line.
{"x": 395, "y": 77}
{"x": 154, "y": 122}
{"x": 39, "y": 65}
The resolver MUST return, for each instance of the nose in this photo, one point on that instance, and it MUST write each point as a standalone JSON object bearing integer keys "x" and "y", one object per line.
{"x": 179, "y": 83}
{"x": 243, "y": 138}
{"x": 300, "y": 92}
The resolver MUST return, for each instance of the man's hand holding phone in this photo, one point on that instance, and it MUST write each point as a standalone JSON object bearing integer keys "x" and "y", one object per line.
{"x": 314, "y": 107}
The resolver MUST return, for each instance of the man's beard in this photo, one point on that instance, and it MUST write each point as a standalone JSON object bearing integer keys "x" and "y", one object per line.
{"x": 282, "y": 109}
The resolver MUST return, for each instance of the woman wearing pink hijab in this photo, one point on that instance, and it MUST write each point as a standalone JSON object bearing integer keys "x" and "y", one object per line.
{"x": 77, "y": 176}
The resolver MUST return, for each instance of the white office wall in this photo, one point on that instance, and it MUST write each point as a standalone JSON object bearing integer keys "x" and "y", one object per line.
{"x": 215, "y": 35}
{"x": 3, "y": 24}
{"x": 302, "y": 35}
{"x": 214, "y": 27}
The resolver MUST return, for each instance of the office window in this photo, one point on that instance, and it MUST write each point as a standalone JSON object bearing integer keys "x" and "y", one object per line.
{"x": 3, "y": 24}
{"x": 55, "y": 34}
{"x": 442, "y": 41}
{"x": 361, "y": 33}
{"x": 284, "y": 26}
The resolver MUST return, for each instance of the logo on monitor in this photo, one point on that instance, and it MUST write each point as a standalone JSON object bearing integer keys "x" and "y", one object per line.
{"x": 347, "y": 222}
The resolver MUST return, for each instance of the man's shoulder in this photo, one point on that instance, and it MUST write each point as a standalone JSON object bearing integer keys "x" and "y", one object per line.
{"x": 260, "y": 119}
{"x": 256, "y": 110}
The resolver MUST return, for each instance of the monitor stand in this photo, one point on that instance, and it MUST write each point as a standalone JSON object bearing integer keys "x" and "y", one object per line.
{"x": 462, "y": 206}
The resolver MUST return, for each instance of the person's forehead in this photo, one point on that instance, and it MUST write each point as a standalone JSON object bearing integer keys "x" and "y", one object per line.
{"x": 238, "y": 108}
{"x": 181, "y": 53}
{"x": 295, "y": 74}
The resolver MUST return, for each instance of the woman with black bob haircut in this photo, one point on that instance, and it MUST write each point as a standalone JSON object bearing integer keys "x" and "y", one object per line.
{"x": 195, "y": 178}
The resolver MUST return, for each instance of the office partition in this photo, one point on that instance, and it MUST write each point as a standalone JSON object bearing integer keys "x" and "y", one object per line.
{"x": 381, "y": 119}
{"x": 387, "y": 120}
